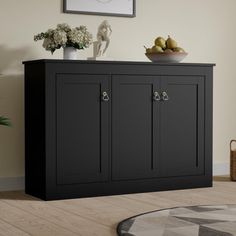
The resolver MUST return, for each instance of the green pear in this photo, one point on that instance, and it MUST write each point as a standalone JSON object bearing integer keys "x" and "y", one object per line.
{"x": 168, "y": 50}
{"x": 161, "y": 42}
{"x": 148, "y": 50}
{"x": 178, "y": 49}
{"x": 157, "y": 49}
{"x": 171, "y": 43}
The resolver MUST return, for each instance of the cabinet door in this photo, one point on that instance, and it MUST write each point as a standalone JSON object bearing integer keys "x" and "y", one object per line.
{"x": 82, "y": 128}
{"x": 133, "y": 131}
{"x": 182, "y": 126}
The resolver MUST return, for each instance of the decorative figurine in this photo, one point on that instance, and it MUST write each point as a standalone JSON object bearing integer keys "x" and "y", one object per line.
{"x": 103, "y": 41}
{"x": 103, "y": 37}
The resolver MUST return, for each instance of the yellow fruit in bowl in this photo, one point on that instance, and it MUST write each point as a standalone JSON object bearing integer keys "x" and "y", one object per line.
{"x": 178, "y": 49}
{"x": 157, "y": 49}
{"x": 165, "y": 51}
{"x": 148, "y": 50}
{"x": 171, "y": 43}
{"x": 168, "y": 50}
{"x": 161, "y": 42}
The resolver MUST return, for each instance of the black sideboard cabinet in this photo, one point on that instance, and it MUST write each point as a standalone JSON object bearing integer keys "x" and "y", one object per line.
{"x": 99, "y": 128}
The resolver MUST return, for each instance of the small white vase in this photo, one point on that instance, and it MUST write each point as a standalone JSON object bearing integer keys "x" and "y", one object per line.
{"x": 69, "y": 53}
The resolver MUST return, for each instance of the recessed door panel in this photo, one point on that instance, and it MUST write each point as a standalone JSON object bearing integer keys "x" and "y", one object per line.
{"x": 133, "y": 135}
{"x": 82, "y": 129}
{"x": 182, "y": 126}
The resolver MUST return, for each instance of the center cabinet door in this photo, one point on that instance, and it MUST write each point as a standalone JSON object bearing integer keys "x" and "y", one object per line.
{"x": 82, "y": 128}
{"x": 134, "y": 134}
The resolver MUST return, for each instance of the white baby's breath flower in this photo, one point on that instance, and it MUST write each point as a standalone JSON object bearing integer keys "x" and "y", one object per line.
{"x": 63, "y": 27}
{"x": 80, "y": 36}
{"x": 82, "y": 28}
{"x": 50, "y": 32}
{"x": 49, "y": 44}
{"x": 60, "y": 37}
{"x": 65, "y": 36}
{"x": 75, "y": 36}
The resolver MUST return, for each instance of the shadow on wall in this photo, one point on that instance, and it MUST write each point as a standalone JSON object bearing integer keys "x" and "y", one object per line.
{"x": 12, "y": 138}
{"x": 11, "y": 59}
{"x": 12, "y": 106}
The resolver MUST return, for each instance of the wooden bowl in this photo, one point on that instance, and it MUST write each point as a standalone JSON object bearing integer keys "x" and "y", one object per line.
{"x": 166, "y": 57}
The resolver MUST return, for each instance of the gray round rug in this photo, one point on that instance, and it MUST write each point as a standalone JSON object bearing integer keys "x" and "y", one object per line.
{"x": 213, "y": 220}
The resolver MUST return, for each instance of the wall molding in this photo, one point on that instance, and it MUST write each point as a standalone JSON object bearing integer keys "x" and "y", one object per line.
{"x": 12, "y": 183}
{"x": 221, "y": 168}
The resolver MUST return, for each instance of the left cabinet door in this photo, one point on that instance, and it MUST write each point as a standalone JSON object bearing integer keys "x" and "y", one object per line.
{"x": 82, "y": 128}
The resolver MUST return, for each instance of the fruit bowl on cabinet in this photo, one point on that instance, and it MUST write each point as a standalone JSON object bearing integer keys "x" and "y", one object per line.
{"x": 166, "y": 57}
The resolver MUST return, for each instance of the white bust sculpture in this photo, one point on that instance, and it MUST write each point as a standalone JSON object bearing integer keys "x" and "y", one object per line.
{"x": 103, "y": 38}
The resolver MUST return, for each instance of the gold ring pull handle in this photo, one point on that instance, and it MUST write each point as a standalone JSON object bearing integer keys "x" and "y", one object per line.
{"x": 156, "y": 96}
{"x": 105, "y": 97}
{"x": 165, "y": 96}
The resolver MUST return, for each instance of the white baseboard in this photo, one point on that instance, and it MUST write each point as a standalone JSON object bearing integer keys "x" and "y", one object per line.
{"x": 12, "y": 183}
{"x": 221, "y": 168}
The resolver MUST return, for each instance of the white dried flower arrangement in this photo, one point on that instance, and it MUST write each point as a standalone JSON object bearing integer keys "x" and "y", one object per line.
{"x": 65, "y": 36}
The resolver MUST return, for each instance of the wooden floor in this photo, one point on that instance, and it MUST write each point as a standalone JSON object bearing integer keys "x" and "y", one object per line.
{"x": 21, "y": 214}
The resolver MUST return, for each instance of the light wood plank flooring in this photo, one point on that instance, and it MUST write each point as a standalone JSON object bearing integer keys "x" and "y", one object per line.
{"x": 22, "y": 214}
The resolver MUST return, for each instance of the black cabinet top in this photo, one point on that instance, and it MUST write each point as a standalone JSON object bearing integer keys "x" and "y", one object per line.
{"x": 117, "y": 62}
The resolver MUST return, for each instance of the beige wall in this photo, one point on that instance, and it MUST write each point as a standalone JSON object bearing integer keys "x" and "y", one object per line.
{"x": 205, "y": 28}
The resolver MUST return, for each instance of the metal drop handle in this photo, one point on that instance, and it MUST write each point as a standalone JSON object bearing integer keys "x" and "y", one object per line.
{"x": 165, "y": 96}
{"x": 156, "y": 96}
{"x": 105, "y": 97}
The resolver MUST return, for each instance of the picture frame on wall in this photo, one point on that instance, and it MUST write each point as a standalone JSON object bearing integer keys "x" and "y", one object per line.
{"x": 123, "y": 8}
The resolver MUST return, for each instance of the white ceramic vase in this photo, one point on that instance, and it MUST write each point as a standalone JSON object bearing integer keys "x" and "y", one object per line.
{"x": 69, "y": 53}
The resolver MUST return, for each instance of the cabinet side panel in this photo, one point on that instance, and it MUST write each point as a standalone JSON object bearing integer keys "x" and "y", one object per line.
{"x": 208, "y": 120}
{"x": 34, "y": 130}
